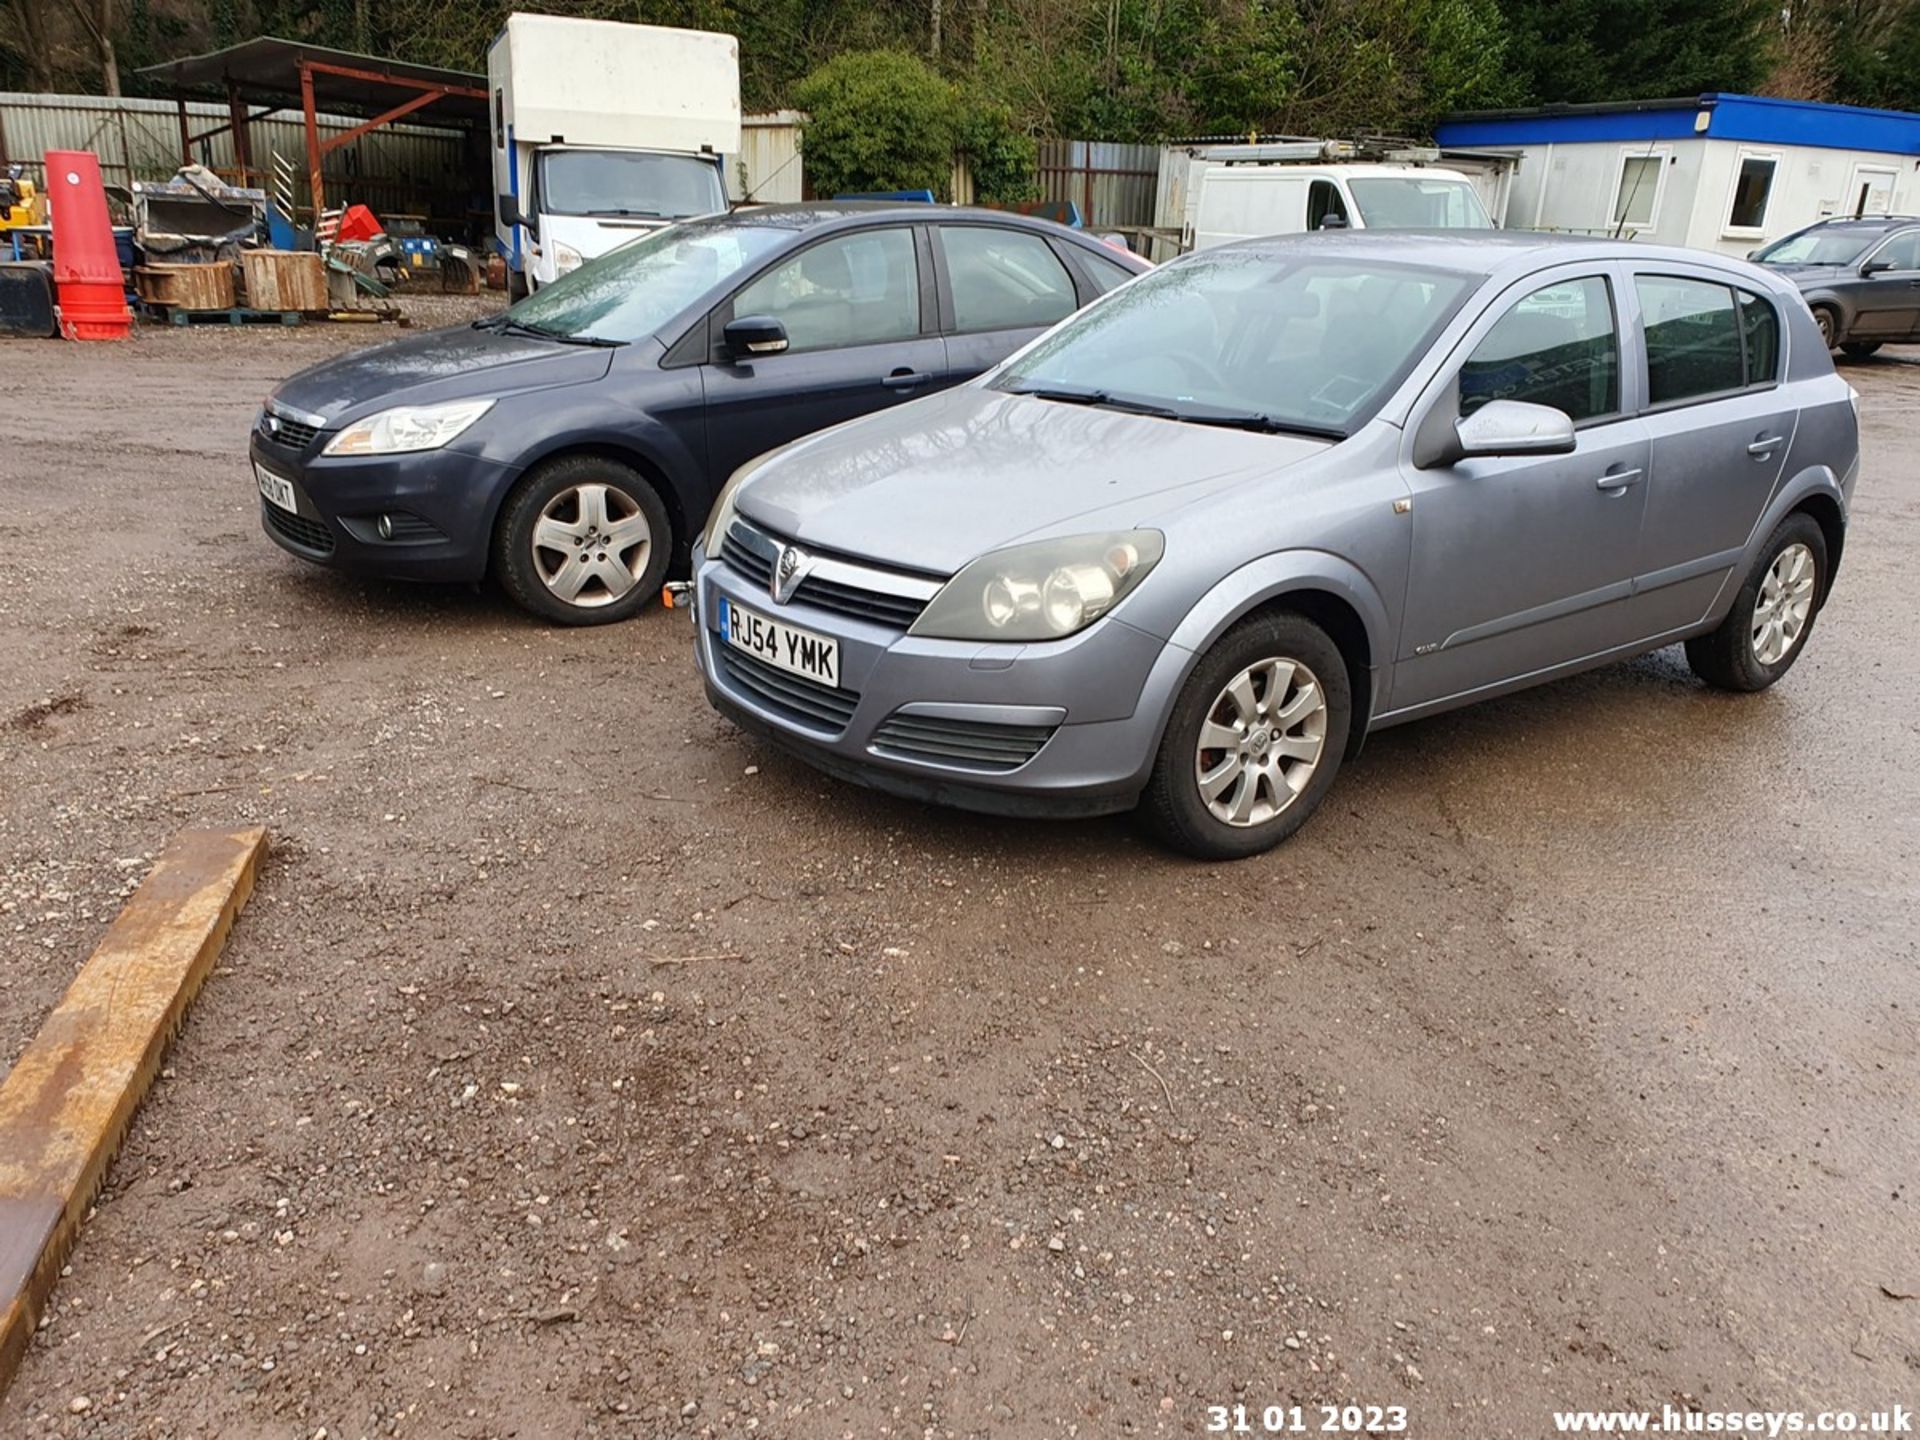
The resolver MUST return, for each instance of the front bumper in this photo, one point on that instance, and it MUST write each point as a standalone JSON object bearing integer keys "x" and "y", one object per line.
{"x": 1103, "y": 694}
{"x": 441, "y": 504}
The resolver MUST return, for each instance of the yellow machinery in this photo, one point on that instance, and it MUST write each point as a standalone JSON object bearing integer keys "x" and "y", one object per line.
{"x": 17, "y": 196}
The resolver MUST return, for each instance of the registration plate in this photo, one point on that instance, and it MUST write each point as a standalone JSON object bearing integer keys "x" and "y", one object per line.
{"x": 276, "y": 488}
{"x": 785, "y": 647}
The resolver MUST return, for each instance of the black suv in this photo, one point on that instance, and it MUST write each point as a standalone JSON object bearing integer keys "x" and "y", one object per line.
{"x": 1861, "y": 276}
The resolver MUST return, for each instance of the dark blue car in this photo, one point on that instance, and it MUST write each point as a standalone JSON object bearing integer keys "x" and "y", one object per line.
{"x": 573, "y": 445}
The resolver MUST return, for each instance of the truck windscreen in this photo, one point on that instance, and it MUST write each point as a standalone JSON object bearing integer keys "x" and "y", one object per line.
{"x": 1418, "y": 203}
{"x": 629, "y": 183}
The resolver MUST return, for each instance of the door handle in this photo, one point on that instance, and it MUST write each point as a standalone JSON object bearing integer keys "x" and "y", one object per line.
{"x": 1765, "y": 446}
{"x": 1615, "y": 481}
{"x": 905, "y": 379}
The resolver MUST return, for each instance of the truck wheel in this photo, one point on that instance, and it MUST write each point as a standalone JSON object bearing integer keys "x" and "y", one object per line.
{"x": 516, "y": 286}
{"x": 583, "y": 541}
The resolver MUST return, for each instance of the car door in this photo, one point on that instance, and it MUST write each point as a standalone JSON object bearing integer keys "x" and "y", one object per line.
{"x": 1886, "y": 297}
{"x": 862, "y": 335}
{"x": 1720, "y": 425}
{"x": 999, "y": 287}
{"x": 1521, "y": 564}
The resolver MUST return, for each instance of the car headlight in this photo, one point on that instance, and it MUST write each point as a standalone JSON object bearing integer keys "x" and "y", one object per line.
{"x": 566, "y": 259}
{"x": 409, "y": 427}
{"x": 1042, "y": 591}
{"x": 723, "y": 506}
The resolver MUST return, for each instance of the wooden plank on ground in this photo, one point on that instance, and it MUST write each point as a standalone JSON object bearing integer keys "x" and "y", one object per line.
{"x": 65, "y": 1106}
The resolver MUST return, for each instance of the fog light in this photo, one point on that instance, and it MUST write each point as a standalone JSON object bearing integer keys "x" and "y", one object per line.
{"x": 385, "y": 526}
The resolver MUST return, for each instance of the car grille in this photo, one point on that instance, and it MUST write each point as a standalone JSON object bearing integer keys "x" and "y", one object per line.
{"x": 803, "y": 701}
{"x": 292, "y": 434}
{"x": 307, "y": 534}
{"x": 897, "y": 612}
{"x": 966, "y": 744}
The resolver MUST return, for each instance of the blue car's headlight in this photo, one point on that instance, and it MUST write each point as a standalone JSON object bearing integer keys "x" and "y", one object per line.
{"x": 406, "y": 428}
{"x": 1042, "y": 591}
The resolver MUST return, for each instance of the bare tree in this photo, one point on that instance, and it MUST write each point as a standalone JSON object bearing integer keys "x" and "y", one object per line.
{"x": 30, "y": 39}
{"x": 96, "y": 18}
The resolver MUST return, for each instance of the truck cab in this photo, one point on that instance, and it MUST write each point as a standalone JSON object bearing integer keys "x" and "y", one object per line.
{"x": 602, "y": 131}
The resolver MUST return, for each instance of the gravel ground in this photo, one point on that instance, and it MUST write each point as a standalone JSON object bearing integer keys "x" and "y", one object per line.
{"x": 579, "y": 1068}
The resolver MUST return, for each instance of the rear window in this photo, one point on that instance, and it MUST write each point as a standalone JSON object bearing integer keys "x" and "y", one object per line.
{"x": 1705, "y": 339}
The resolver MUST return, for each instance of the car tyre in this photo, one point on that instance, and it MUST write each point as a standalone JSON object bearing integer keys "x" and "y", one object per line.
{"x": 1254, "y": 740}
{"x": 1859, "y": 349}
{"x": 1773, "y": 614}
{"x": 1829, "y": 324}
{"x": 583, "y": 540}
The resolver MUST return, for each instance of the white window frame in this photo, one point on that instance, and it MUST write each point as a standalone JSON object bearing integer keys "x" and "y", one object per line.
{"x": 1662, "y": 153}
{"x": 1741, "y": 156}
{"x": 1861, "y": 171}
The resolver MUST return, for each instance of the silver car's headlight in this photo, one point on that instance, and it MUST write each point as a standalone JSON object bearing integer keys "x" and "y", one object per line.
{"x": 409, "y": 427}
{"x": 1042, "y": 591}
{"x": 723, "y": 506}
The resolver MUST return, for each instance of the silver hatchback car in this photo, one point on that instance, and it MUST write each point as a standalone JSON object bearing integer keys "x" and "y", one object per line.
{"x": 1186, "y": 549}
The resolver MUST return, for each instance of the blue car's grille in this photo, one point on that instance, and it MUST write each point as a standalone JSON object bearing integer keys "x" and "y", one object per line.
{"x": 286, "y": 433}
{"x": 297, "y": 529}
{"x": 965, "y": 744}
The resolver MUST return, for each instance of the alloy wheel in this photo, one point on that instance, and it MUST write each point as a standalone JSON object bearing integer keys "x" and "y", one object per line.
{"x": 1261, "y": 741}
{"x": 1785, "y": 602}
{"x": 591, "y": 544}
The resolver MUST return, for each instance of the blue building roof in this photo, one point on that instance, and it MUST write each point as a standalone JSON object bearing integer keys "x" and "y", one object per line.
{"x": 1756, "y": 119}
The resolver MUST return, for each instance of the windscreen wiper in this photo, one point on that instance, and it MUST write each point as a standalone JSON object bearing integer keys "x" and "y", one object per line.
{"x": 509, "y": 326}
{"x": 1069, "y": 395}
{"x": 1262, "y": 423}
{"x": 630, "y": 214}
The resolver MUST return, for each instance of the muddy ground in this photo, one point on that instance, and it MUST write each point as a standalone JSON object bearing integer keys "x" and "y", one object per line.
{"x": 1567, "y": 1059}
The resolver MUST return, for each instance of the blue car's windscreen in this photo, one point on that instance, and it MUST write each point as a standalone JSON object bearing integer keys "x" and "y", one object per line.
{"x": 1240, "y": 337}
{"x": 629, "y": 294}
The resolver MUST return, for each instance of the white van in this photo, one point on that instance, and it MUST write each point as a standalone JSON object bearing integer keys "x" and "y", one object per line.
{"x": 1240, "y": 201}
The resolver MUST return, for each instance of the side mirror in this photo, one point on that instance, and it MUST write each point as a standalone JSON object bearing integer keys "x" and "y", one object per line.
{"x": 751, "y": 335}
{"x": 1875, "y": 267}
{"x": 510, "y": 211}
{"x": 1333, "y": 222}
{"x": 1514, "y": 427}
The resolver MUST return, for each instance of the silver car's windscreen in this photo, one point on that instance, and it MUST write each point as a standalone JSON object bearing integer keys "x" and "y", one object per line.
{"x": 1238, "y": 336}
{"x": 630, "y": 293}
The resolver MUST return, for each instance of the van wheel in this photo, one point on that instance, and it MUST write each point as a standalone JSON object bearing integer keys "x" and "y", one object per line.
{"x": 1772, "y": 615}
{"x": 583, "y": 541}
{"x": 1254, "y": 741}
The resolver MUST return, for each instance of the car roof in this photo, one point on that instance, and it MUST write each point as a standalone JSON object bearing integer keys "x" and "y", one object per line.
{"x": 817, "y": 214}
{"x": 1476, "y": 252}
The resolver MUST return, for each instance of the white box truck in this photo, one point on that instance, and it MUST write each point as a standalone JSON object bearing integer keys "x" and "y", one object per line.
{"x": 601, "y": 131}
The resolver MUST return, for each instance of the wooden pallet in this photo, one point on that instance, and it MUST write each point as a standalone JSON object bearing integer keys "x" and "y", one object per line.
{"x": 176, "y": 315}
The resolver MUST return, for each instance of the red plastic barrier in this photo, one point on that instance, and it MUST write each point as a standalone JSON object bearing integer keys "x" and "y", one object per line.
{"x": 86, "y": 266}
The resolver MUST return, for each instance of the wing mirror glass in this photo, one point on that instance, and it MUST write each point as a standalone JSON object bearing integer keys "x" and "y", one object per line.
{"x": 1514, "y": 427}
{"x": 510, "y": 211}
{"x": 754, "y": 335}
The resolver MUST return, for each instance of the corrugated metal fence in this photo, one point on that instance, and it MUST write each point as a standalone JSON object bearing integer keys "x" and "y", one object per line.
{"x": 1112, "y": 183}
{"x": 403, "y": 168}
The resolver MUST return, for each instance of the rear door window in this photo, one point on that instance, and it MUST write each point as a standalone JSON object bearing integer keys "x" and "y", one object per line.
{"x": 1694, "y": 342}
{"x": 1004, "y": 279}
{"x": 1558, "y": 346}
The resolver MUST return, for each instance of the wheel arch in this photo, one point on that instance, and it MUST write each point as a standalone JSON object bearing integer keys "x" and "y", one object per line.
{"x": 1328, "y": 590}
{"x": 621, "y": 452}
{"x": 1827, "y": 514}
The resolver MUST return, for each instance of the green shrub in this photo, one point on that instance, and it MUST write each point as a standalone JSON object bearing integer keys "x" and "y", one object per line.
{"x": 1002, "y": 160}
{"x": 878, "y": 120}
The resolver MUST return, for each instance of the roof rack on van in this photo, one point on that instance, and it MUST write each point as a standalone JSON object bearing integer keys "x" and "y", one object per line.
{"x": 1388, "y": 149}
